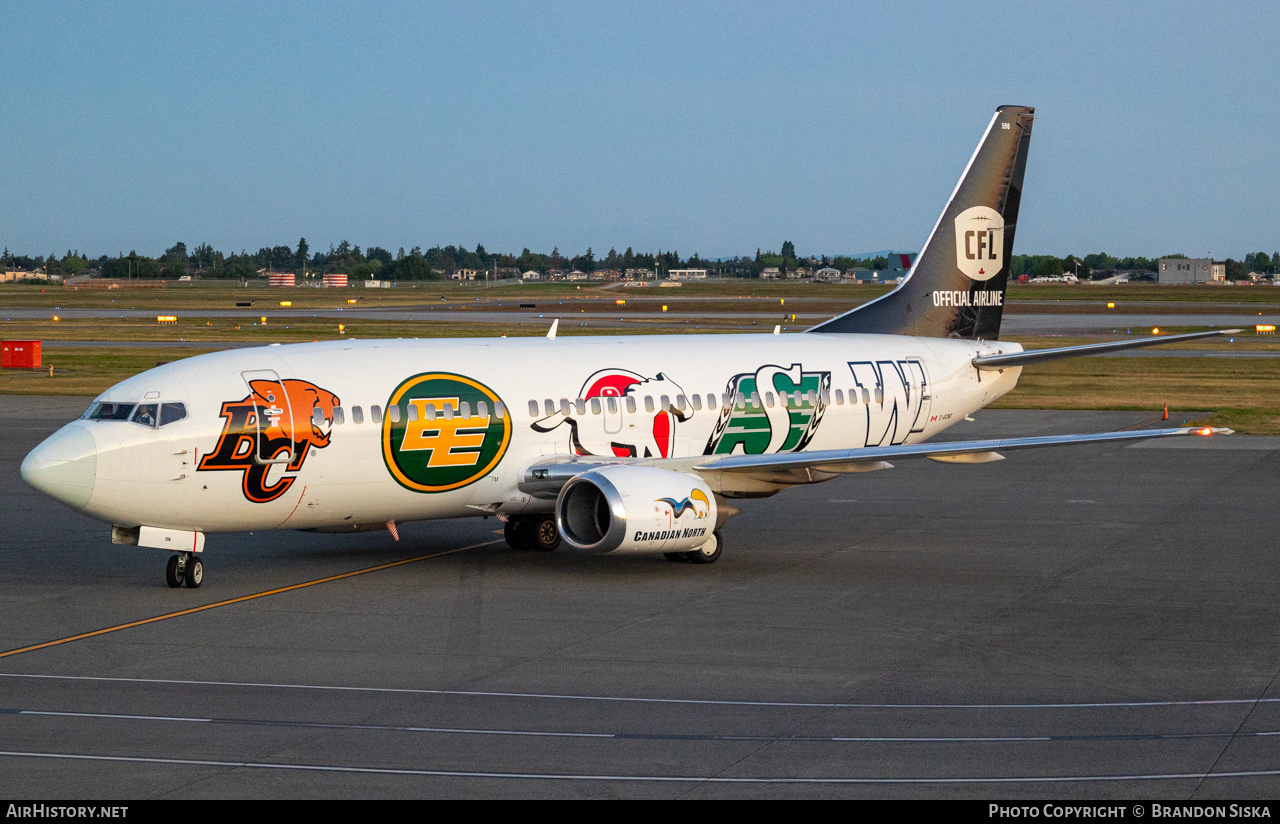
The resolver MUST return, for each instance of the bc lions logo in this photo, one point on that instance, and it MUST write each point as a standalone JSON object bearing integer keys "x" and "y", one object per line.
{"x": 265, "y": 427}
{"x": 637, "y": 416}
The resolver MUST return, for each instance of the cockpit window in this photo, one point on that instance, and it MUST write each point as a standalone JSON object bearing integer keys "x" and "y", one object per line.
{"x": 110, "y": 412}
{"x": 170, "y": 412}
{"x": 146, "y": 414}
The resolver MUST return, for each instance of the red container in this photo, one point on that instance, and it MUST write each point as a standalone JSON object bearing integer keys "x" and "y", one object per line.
{"x": 20, "y": 354}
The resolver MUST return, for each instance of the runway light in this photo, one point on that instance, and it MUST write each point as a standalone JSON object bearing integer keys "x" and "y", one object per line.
{"x": 1208, "y": 430}
{"x": 166, "y": 318}
{"x": 264, "y": 319}
{"x": 351, "y": 300}
{"x": 1111, "y": 306}
{"x": 286, "y": 303}
{"x": 55, "y": 317}
{"x": 620, "y": 302}
{"x": 1155, "y": 330}
{"x": 1265, "y": 329}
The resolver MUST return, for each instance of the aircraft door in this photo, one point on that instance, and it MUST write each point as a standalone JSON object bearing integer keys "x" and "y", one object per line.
{"x": 613, "y": 411}
{"x": 921, "y": 394}
{"x": 271, "y": 416}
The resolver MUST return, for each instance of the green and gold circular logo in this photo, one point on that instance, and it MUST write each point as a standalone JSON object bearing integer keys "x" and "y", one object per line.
{"x": 442, "y": 432}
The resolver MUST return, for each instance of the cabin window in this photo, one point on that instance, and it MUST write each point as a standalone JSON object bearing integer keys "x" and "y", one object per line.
{"x": 755, "y": 399}
{"x": 580, "y": 406}
{"x": 357, "y": 415}
{"x": 499, "y": 411}
{"x": 413, "y": 411}
{"x": 697, "y": 402}
{"x": 648, "y": 403}
{"x": 664, "y": 403}
{"x": 393, "y": 412}
{"x": 768, "y": 400}
{"x": 826, "y": 396}
{"x": 879, "y": 394}
{"x": 533, "y": 409}
{"x": 171, "y": 412}
{"x": 812, "y": 396}
{"x": 595, "y": 406}
{"x": 482, "y": 409}
{"x": 338, "y": 417}
{"x": 317, "y": 415}
{"x": 681, "y": 402}
{"x": 427, "y": 410}
{"x": 550, "y": 406}
{"x": 448, "y": 411}
{"x": 839, "y": 397}
{"x": 784, "y": 399}
{"x": 464, "y": 409}
{"x": 711, "y": 400}
{"x": 740, "y": 400}
{"x": 146, "y": 414}
{"x": 375, "y": 414}
{"x": 631, "y": 404}
{"x": 611, "y": 404}
{"x": 564, "y": 407}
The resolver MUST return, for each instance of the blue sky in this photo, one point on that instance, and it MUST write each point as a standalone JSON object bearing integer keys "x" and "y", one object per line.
{"x": 706, "y": 127}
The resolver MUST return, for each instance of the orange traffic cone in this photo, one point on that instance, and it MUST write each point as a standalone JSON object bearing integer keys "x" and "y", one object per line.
{"x": 1166, "y": 411}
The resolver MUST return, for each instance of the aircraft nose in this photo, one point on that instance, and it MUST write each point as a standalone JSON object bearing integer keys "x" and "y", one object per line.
{"x": 64, "y": 466}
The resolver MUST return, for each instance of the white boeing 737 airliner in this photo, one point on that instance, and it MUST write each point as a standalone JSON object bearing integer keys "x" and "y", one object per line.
{"x": 605, "y": 444}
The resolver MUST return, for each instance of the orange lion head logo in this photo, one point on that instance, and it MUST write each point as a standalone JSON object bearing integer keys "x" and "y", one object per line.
{"x": 298, "y": 421}
{"x": 270, "y": 428}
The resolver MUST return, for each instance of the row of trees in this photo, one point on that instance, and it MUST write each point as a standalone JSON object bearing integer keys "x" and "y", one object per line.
{"x": 375, "y": 262}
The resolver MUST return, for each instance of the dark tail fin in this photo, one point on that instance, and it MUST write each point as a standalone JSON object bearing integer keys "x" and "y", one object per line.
{"x": 956, "y": 287}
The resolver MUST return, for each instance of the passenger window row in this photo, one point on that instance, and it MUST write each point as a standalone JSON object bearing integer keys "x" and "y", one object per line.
{"x": 417, "y": 409}
{"x": 612, "y": 405}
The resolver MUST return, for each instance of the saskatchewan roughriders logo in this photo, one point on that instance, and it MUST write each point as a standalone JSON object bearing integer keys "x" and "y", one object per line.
{"x": 445, "y": 433}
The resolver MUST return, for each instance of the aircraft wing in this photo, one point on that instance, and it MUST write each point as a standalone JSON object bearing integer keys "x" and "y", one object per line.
{"x": 764, "y": 474}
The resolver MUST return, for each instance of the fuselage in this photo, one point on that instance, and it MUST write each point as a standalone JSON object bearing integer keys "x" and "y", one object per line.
{"x": 344, "y": 434}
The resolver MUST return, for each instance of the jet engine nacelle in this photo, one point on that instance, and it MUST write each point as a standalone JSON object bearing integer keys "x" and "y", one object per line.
{"x": 636, "y": 509}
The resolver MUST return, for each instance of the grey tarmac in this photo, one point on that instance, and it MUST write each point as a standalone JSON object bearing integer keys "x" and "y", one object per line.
{"x": 1087, "y": 622}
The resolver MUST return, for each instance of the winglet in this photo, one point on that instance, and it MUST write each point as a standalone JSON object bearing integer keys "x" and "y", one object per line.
{"x": 551, "y": 333}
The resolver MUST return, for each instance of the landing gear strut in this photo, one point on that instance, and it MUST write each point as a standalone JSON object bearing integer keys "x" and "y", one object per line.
{"x": 532, "y": 532}
{"x": 184, "y": 568}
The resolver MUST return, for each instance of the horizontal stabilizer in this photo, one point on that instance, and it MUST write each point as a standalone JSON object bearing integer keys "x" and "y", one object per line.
{"x": 1043, "y": 355}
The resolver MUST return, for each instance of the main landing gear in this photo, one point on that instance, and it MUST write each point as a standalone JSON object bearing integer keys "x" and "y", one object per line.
{"x": 708, "y": 553}
{"x": 184, "y": 568}
{"x": 532, "y": 532}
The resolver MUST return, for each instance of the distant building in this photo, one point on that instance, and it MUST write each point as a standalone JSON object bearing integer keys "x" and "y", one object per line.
{"x": 859, "y": 274}
{"x": 13, "y": 276}
{"x": 827, "y": 274}
{"x": 1183, "y": 270}
{"x": 576, "y": 274}
{"x": 638, "y": 274}
{"x": 531, "y": 275}
{"x": 771, "y": 272}
{"x": 799, "y": 272}
{"x": 335, "y": 279}
{"x": 687, "y": 274}
{"x": 899, "y": 263}
{"x": 1219, "y": 270}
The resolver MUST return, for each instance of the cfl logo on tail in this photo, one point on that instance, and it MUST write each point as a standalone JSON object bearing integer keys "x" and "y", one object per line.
{"x": 979, "y": 242}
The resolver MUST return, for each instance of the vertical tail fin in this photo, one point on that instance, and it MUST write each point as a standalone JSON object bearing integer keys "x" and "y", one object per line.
{"x": 956, "y": 287}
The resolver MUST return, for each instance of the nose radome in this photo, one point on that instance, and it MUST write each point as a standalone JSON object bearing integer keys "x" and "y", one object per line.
{"x": 64, "y": 466}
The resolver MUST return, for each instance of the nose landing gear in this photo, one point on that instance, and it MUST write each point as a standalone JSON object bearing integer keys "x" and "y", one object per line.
{"x": 184, "y": 568}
